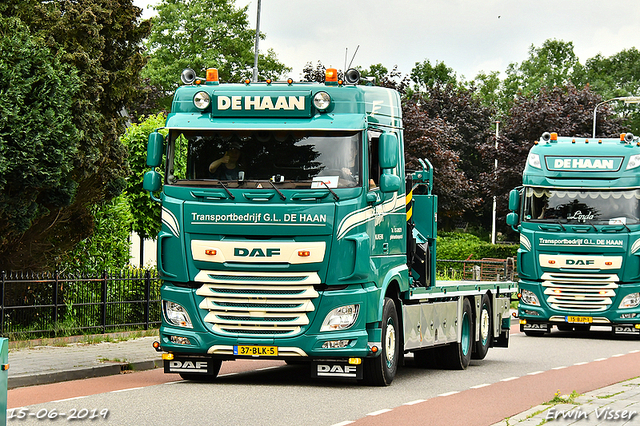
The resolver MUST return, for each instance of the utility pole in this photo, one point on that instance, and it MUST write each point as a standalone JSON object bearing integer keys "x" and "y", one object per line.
{"x": 495, "y": 176}
{"x": 255, "y": 60}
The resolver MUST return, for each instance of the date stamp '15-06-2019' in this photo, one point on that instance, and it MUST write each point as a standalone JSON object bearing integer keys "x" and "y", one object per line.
{"x": 54, "y": 414}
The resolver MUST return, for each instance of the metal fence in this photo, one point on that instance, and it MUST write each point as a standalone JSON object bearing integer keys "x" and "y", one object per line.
{"x": 53, "y": 304}
{"x": 478, "y": 270}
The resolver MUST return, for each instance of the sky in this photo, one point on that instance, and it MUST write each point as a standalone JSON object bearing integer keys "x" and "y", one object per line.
{"x": 469, "y": 36}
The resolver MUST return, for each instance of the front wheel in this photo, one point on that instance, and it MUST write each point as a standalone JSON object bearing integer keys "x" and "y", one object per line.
{"x": 484, "y": 319}
{"x": 381, "y": 370}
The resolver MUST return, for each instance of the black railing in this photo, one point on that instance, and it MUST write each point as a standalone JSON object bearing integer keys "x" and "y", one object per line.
{"x": 478, "y": 270}
{"x": 56, "y": 304}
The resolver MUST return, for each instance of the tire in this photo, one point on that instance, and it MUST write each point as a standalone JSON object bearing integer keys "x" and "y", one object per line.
{"x": 381, "y": 370}
{"x": 456, "y": 356}
{"x": 485, "y": 319}
{"x": 195, "y": 377}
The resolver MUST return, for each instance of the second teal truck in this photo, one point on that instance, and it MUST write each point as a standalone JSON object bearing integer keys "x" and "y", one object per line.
{"x": 291, "y": 230}
{"x": 578, "y": 215}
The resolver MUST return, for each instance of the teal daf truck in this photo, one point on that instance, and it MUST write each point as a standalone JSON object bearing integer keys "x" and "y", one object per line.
{"x": 292, "y": 231}
{"x": 578, "y": 215}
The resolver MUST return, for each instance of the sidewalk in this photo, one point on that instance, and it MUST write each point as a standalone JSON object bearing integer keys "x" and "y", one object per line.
{"x": 62, "y": 361}
{"x": 618, "y": 404}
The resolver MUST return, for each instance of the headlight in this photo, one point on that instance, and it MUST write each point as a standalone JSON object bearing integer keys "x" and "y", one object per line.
{"x": 534, "y": 160}
{"x": 630, "y": 301}
{"x": 634, "y": 161}
{"x": 176, "y": 315}
{"x": 321, "y": 100}
{"x": 529, "y": 298}
{"x": 201, "y": 100}
{"x": 340, "y": 318}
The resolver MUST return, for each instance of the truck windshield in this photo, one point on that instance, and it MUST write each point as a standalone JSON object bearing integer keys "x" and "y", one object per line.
{"x": 297, "y": 159}
{"x": 611, "y": 207}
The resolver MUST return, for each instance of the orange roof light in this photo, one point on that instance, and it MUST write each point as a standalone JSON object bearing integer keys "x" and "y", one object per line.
{"x": 331, "y": 75}
{"x": 554, "y": 136}
{"x": 212, "y": 74}
{"x": 622, "y": 135}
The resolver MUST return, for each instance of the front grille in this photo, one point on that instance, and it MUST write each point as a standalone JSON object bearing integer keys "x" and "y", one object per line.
{"x": 579, "y": 292}
{"x": 239, "y": 303}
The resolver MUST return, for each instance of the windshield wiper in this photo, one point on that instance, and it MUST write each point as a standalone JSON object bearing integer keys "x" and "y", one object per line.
{"x": 227, "y": 189}
{"x": 330, "y": 190}
{"x": 282, "y": 197}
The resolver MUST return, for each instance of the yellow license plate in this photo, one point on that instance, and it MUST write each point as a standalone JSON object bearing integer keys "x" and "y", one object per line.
{"x": 255, "y": 350}
{"x": 580, "y": 320}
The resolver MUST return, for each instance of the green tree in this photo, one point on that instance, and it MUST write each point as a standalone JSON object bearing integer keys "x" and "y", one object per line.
{"x": 145, "y": 219}
{"x": 426, "y": 75}
{"x": 617, "y": 75}
{"x": 553, "y": 64}
{"x": 101, "y": 42}
{"x": 202, "y": 34}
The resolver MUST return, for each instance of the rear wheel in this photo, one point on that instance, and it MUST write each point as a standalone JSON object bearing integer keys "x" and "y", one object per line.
{"x": 381, "y": 370}
{"x": 456, "y": 356}
{"x": 484, "y": 340}
{"x": 195, "y": 377}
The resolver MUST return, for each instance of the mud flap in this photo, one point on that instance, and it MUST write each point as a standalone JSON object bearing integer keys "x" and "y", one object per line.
{"x": 324, "y": 368}
{"x": 189, "y": 365}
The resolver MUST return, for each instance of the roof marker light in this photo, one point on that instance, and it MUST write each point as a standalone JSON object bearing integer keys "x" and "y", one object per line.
{"x": 554, "y": 136}
{"x": 622, "y": 135}
{"x": 289, "y": 81}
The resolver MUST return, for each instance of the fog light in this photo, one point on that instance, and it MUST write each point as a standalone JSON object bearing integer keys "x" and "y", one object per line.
{"x": 625, "y": 316}
{"x": 168, "y": 357}
{"x": 355, "y": 361}
{"x": 179, "y": 340}
{"x": 533, "y": 313}
{"x": 335, "y": 344}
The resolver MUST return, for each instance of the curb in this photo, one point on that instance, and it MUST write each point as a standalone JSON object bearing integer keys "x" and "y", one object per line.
{"x": 82, "y": 373}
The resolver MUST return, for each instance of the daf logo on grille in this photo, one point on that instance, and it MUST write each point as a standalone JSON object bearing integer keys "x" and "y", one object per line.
{"x": 580, "y": 262}
{"x": 256, "y": 252}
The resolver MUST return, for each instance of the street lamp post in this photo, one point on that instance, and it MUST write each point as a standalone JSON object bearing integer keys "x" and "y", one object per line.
{"x": 255, "y": 59}
{"x": 495, "y": 173}
{"x": 626, "y": 99}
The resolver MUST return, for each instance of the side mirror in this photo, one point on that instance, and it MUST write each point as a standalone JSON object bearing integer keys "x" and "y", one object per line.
{"x": 388, "y": 151}
{"x": 514, "y": 200}
{"x": 152, "y": 181}
{"x": 512, "y": 219}
{"x": 389, "y": 183}
{"x": 154, "y": 149}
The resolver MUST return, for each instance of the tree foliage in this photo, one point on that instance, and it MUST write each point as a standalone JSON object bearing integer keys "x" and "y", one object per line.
{"x": 145, "y": 212}
{"x": 100, "y": 42}
{"x": 201, "y": 34}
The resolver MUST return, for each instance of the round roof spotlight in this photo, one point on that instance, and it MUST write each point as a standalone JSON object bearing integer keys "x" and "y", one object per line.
{"x": 629, "y": 137}
{"x": 352, "y": 76}
{"x": 201, "y": 100}
{"x": 321, "y": 100}
{"x": 188, "y": 76}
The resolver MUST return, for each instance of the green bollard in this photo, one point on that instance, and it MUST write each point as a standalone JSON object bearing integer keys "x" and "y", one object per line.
{"x": 4, "y": 378}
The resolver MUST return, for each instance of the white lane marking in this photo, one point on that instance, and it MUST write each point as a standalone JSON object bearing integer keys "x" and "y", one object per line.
{"x": 634, "y": 352}
{"x": 376, "y": 413}
{"x": 417, "y": 401}
{"x": 126, "y": 390}
{"x": 508, "y": 379}
{"x": 480, "y": 386}
{"x": 267, "y": 368}
{"x": 534, "y": 373}
{"x": 581, "y": 363}
{"x": 617, "y": 355}
{"x": 69, "y": 399}
{"x": 559, "y": 368}
{"x": 346, "y": 422}
{"x": 599, "y": 359}
{"x": 449, "y": 393}
{"x": 227, "y": 374}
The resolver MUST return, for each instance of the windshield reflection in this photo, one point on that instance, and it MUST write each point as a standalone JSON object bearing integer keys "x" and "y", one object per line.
{"x": 295, "y": 159}
{"x": 611, "y": 207}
